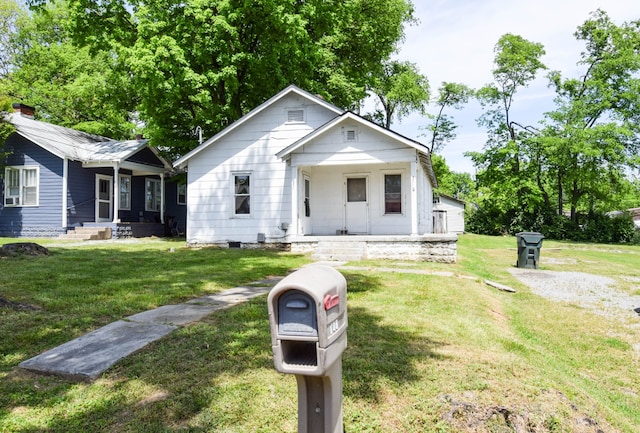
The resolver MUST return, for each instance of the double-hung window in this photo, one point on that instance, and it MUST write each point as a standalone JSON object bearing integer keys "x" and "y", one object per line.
{"x": 153, "y": 193}
{"x": 182, "y": 193}
{"x": 392, "y": 194}
{"x": 242, "y": 193}
{"x": 125, "y": 192}
{"x": 21, "y": 186}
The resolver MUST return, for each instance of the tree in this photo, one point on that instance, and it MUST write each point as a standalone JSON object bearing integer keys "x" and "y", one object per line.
{"x": 442, "y": 129}
{"x": 68, "y": 86}
{"x": 592, "y": 137}
{"x": 194, "y": 63}
{"x": 400, "y": 89}
{"x": 505, "y": 164}
{"x": 458, "y": 185}
{"x": 11, "y": 13}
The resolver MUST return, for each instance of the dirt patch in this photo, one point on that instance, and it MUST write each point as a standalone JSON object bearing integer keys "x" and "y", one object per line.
{"x": 469, "y": 415}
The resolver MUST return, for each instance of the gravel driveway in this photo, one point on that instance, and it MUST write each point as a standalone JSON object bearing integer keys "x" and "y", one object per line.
{"x": 590, "y": 291}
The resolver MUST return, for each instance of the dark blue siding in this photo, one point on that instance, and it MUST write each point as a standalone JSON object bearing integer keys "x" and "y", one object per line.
{"x": 81, "y": 194}
{"x": 175, "y": 211}
{"x": 46, "y": 218}
{"x": 138, "y": 200}
{"x": 146, "y": 156}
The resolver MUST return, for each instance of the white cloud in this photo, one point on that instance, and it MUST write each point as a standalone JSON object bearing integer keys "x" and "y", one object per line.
{"x": 454, "y": 42}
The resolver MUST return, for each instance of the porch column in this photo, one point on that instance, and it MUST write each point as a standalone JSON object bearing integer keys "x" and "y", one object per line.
{"x": 162, "y": 198}
{"x": 295, "y": 208}
{"x": 65, "y": 187}
{"x": 414, "y": 198}
{"x": 116, "y": 192}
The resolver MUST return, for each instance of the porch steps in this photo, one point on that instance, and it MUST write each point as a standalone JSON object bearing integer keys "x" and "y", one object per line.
{"x": 88, "y": 234}
{"x": 344, "y": 251}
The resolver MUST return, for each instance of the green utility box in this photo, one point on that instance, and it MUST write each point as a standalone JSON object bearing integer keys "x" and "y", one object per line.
{"x": 529, "y": 244}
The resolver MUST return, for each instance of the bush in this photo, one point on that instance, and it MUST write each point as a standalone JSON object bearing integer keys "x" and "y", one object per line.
{"x": 595, "y": 227}
{"x": 603, "y": 228}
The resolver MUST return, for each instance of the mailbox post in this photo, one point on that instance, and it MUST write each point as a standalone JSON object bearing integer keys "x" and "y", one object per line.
{"x": 308, "y": 321}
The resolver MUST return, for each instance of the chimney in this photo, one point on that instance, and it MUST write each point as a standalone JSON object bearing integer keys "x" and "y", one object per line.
{"x": 23, "y": 109}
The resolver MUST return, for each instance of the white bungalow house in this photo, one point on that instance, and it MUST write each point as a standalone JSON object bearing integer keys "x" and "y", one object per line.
{"x": 299, "y": 172}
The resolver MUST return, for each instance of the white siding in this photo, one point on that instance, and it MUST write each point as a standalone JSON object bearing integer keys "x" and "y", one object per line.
{"x": 455, "y": 214}
{"x": 328, "y": 198}
{"x": 250, "y": 149}
{"x": 330, "y": 158}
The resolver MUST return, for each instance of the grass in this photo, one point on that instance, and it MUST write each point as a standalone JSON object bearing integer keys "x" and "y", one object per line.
{"x": 426, "y": 352}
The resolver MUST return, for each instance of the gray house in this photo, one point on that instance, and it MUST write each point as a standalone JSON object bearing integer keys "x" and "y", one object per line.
{"x": 56, "y": 179}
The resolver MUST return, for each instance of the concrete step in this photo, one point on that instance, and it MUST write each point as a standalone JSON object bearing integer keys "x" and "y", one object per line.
{"x": 87, "y": 234}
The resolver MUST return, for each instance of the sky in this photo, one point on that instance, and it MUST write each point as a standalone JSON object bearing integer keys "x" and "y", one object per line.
{"x": 453, "y": 41}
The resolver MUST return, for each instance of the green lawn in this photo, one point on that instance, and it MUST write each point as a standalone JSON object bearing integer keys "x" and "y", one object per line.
{"x": 426, "y": 352}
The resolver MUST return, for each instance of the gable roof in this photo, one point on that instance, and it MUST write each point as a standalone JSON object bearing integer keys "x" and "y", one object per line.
{"x": 349, "y": 115}
{"x": 425, "y": 155}
{"x": 292, "y": 89}
{"x": 77, "y": 145}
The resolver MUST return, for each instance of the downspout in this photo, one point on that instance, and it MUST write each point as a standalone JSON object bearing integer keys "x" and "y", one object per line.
{"x": 65, "y": 186}
{"x": 116, "y": 192}
{"x": 414, "y": 198}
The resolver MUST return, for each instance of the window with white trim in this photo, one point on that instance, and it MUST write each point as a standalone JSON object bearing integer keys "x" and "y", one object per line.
{"x": 125, "y": 192}
{"x": 242, "y": 194}
{"x": 392, "y": 194}
{"x": 153, "y": 194}
{"x": 21, "y": 186}
{"x": 182, "y": 193}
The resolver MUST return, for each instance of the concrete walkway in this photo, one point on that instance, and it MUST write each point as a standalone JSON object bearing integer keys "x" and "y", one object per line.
{"x": 87, "y": 357}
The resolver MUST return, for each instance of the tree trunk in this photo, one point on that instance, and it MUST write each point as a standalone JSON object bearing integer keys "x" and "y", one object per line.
{"x": 560, "y": 204}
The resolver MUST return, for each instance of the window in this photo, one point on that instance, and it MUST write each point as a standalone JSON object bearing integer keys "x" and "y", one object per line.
{"x": 21, "y": 186}
{"x": 307, "y": 195}
{"x": 182, "y": 193}
{"x": 356, "y": 189}
{"x": 153, "y": 193}
{"x": 125, "y": 192}
{"x": 392, "y": 194}
{"x": 295, "y": 115}
{"x": 242, "y": 194}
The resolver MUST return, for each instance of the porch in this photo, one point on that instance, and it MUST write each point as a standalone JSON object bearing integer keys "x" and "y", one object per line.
{"x": 441, "y": 248}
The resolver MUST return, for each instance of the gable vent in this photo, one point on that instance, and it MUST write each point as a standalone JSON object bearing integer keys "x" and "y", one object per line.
{"x": 296, "y": 115}
{"x": 351, "y": 135}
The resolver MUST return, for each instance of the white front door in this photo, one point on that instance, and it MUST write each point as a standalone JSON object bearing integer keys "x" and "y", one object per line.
{"x": 104, "y": 198}
{"x": 357, "y": 205}
{"x": 306, "y": 206}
